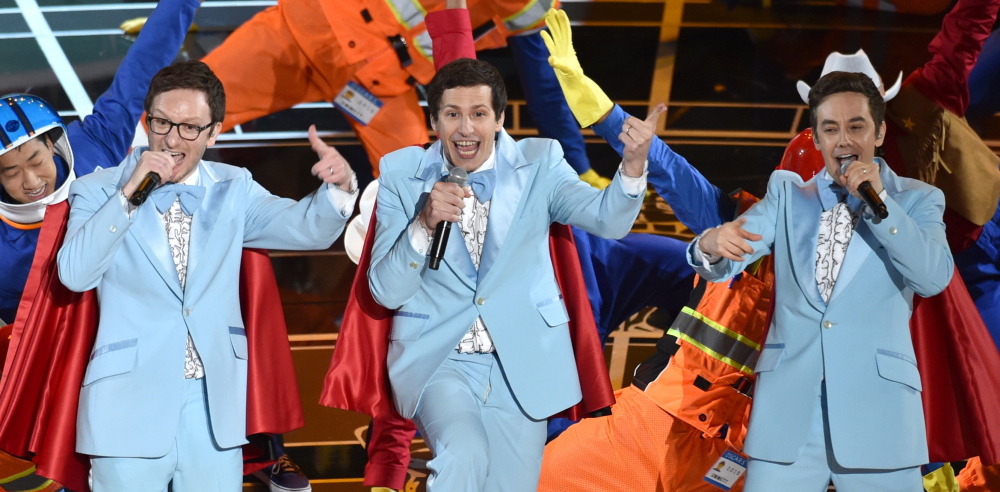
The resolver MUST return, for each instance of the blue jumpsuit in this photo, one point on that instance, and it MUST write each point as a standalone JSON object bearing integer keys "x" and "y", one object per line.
{"x": 624, "y": 276}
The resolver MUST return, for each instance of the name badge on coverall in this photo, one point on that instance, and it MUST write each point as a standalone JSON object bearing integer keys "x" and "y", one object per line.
{"x": 357, "y": 103}
{"x": 727, "y": 470}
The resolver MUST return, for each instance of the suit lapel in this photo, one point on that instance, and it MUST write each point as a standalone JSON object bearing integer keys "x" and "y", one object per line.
{"x": 513, "y": 175}
{"x": 204, "y": 221}
{"x": 149, "y": 234}
{"x": 858, "y": 253}
{"x": 456, "y": 254}
{"x": 802, "y": 219}
{"x": 457, "y": 257}
{"x": 861, "y": 248}
{"x": 147, "y": 229}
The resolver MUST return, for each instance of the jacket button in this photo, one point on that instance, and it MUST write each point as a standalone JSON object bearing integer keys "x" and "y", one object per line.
{"x": 351, "y": 44}
{"x": 187, "y": 312}
{"x": 413, "y": 265}
{"x": 827, "y": 324}
{"x": 481, "y": 301}
{"x": 702, "y": 417}
{"x": 892, "y": 231}
{"x": 112, "y": 229}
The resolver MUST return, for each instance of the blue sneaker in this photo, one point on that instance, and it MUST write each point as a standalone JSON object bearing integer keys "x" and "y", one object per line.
{"x": 284, "y": 476}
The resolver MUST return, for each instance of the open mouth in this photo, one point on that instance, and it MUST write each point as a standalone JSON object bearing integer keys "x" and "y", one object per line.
{"x": 36, "y": 194}
{"x": 178, "y": 157}
{"x": 845, "y": 160}
{"x": 466, "y": 149}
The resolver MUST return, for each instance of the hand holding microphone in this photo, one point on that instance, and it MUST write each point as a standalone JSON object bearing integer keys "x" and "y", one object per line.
{"x": 858, "y": 176}
{"x": 444, "y": 206}
{"x": 149, "y": 173}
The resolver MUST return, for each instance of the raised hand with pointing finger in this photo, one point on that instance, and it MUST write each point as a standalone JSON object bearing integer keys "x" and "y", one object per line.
{"x": 332, "y": 168}
{"x": 637, "y": 135}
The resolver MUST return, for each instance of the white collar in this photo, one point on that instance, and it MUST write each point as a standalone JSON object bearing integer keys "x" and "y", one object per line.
{"x": 195, "y": 178}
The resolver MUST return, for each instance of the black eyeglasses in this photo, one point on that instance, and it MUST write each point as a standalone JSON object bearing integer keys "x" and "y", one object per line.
{"x": 187, "y": 131}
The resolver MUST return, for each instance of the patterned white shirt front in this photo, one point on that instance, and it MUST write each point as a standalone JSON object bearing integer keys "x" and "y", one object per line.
{"x": 178, "y": 227}
{"x": 836, "y": 227}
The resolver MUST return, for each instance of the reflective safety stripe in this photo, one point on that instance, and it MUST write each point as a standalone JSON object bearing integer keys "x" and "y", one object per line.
{"x": 410, "y": 13}
{"x": 424, "y": 46}
{"x": 716, "y": 340}
{"x": 531, "y": 15}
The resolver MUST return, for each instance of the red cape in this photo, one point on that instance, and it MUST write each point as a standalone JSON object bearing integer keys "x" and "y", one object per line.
{"x": 959, "y": 368}
{"x": 51, "y": 343}
{"x": 358, "y": 379}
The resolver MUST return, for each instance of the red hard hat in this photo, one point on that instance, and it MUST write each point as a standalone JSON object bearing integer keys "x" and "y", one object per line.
{"x": 802, "y": 157}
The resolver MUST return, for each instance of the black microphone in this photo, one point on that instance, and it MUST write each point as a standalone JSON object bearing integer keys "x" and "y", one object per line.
{"x": 458, "y": 176}
{"x": 868, "y": 194}
{"x": 148, "y": 184}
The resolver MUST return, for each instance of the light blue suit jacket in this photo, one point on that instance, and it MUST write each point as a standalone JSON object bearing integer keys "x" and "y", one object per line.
{"x": 130, "y": 402}
{"x": 859, "y": 341}
{"x": 514, "y": 290}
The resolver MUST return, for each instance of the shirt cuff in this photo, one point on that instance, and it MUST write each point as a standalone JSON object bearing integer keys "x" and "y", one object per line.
{"x": 342, "y": 200}
{"x": 419, "y": 238}
{"x": 127, "y": 207}
{"x": 706, "y": 259}
{"x": 634, "y": 186}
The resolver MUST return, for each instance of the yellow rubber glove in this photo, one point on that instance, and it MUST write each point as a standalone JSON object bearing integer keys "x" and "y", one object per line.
{"x": 134, "y": 26}
{"x": 587, "y": 101}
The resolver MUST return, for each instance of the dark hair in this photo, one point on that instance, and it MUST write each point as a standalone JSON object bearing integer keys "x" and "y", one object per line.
{"x": 466, "y": 72}
{"x": 194, "y": 75}
{"x": 837, "y": 82}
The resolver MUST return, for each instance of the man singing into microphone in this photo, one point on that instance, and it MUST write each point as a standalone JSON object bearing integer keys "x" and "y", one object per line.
{"x": 838, "y": 389}
{"x": 164, "y": 395}
{"x": 480, "y": 351}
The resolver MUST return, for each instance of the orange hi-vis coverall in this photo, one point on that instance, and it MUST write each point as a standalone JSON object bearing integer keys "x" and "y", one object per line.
{"x": 302, "y": 51}
{"x": 674, "y": 423}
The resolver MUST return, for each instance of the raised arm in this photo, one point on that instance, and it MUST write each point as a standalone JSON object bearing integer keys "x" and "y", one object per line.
{"x": 697, "y": 203}
{"x": 944, "y": 79}
{"x": 105, "y": 136}
{"x": 451, "y": 33}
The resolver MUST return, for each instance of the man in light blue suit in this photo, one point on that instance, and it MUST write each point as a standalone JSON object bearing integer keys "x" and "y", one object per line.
{"x": 838, "y": 389}
{"x": 480, "y": 352}
{"x": 164, "y": 396}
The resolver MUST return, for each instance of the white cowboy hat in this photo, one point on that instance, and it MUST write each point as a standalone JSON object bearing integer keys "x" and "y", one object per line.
{"x": 858, "y": 62}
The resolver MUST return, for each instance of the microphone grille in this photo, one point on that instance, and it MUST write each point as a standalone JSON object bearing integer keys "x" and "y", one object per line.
{"x": 458, "y": 176}
{"x": 847, "y": 162}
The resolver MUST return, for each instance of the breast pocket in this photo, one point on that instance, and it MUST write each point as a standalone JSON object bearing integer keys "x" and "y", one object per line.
{"x": 111, "y": 360}
{"x": 408, "y": 325}
{"x": 770, "y": 357}
{"x": 238, "y": 337}
{"x": 899, "y": 368}
{"x": 553, "y": 311}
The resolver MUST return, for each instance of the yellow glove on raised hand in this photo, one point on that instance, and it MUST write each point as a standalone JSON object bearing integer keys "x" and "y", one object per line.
{"x": 587, "y": 101}
{"x": 134, "y": 26}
